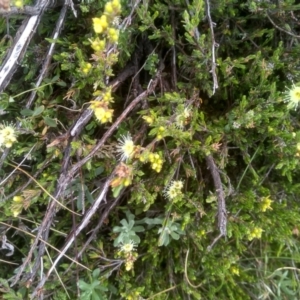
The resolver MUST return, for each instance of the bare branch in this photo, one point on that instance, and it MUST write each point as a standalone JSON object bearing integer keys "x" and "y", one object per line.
{"x": 281, "y": 29}
{"x": 213, "y": 45}
{"x": 49, "y": 54}
{"x": 222, "y": 214}
{"x": 21, "y": 42}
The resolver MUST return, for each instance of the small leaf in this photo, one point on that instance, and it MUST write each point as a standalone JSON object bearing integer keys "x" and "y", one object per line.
{"x": 138, "y": 228}
{"x": 83, "y": 285}
{"x": 125, "y": 223}
{"x": 96, "y": 273}
{"x": 26, "y": 112}
{"x": 38, "y": 110}
{"x": 116, "y": 190}
{"x": 117, "y": 229}
{"x": 50, "y": 122}
{"x": 175, "y": 236}
{"x": 153, "y": 221}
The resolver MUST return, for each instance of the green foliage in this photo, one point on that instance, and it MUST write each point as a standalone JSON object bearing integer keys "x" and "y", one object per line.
{"x": 128, "y": 231}
{"x": 154, "y": 243}
{"x": 93, "y": 290}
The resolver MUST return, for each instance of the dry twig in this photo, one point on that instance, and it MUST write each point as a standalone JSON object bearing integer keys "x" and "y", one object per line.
{"x": 213, "y": 45}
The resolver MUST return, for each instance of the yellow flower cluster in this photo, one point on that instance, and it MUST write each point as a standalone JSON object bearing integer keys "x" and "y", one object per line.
{"x": 105, "y": 25}
{"x": 235, "y": 270}
{"x": 123, "y": 176}
{"x": 174, "y": 189}
{"x": 255, "y": 233}
{"x": 101, "y": 111}
{"x": 86, "y": 67}
{"x": 160, "y": 132}
{"x": 19, "y": 3}
{"x": 148, "y": 119}
{"x": 154, "y": 158}
{"x": 130, "y": 259}
{"x": 98, "y": 45}
{"x": 7, "y": 136}
{"x": 127, "y": 251}
{"x": 265, "y": 203}
{"x": 156, "y": 162}
{"x": 17, "y": 205}
{"x": 106, "y": 97}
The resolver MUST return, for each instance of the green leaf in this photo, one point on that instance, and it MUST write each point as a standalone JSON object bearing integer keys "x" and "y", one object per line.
{"x": 153, "y": 221}
{"x": 38, "y": 110}
{"x": 138, "y": 228}
{"x": 116, "y": 190}
{"x": 96, "y": 273}
{"x": 83, "y": 285}
{"x": 26, "y": 112}
{"x": 50, "y": 122}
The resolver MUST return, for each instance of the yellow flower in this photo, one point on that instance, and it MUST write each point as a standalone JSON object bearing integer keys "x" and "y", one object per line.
{"x": 97, "y": 23}
{"x": 148, "y": 119}
{"x": 107, "y": 96}
{"x": 98, "y": 45}
{"x": 86, "y": 68}
{"x": 235, "y": 270}
{"x": 116, "y": 5}
{"x": 128, "y": 265}
{"x": 255, "y": 233}
{"x": 113, "y": 34}
{"x": 156, "y": 161}
{"x": 266, "y": 203}
{"x": 109, "y": 8}
{"x": 18, "y": 199}
{"x": 103, "y": 21}
{"x": 19, "y": 3}
{"x": 8, "y": 144}
{"x": 293, "y": 97}
{"x": 103, "y": 115}
{"x": 101, "y": 111}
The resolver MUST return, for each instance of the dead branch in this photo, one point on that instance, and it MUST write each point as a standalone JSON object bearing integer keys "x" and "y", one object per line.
{"x": 213, "y": 45}
{"x": 281, "y": 29}
{"x": 49, "y": 54}
{"x": 20, "y": 44}
{"x": 222, "y": 215}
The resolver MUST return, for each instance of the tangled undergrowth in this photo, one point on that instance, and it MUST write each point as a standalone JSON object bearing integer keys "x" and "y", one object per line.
{"x": 159, "y": 158}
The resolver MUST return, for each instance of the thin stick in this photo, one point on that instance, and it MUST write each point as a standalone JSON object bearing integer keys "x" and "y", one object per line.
{"x": 281, "y": 29}
{"x": 213, "y": 45}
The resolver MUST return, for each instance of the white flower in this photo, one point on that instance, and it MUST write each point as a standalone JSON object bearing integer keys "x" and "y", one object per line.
{"x": 178, "y": 184}
{"x": 293, "y": 97}
{"x": 236, "y": 125}
{"x": 173, "y": 189}
{"x": 126, "y": 147}
{"x": 128, "y": 247}
{"x": 7, "y": 135}
{"x": 183, "y": 117}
